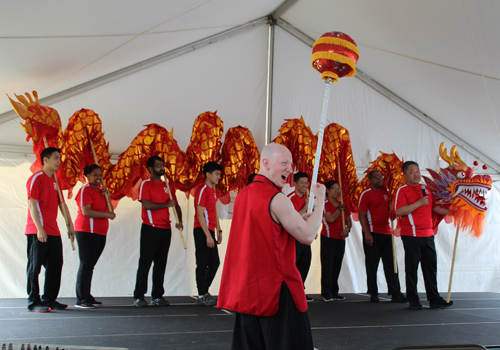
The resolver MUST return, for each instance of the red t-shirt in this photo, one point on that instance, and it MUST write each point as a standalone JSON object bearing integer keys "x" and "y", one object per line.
{"x": 333, "y": 230}
{"x": 260, "y": 256}
{"x": 155, "y": 192}
{"x": 419, "y": 222}
{"x": 205, "y": 196}
{"x": 297, "y": 201}
{"x": 95, "y": 197}
{"x": 376, "y": 206}
{"x": 43, "y": 189}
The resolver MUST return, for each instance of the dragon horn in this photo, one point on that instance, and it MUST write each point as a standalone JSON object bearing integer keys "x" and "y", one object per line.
{"x": 35, "y": 95}
{"x": 443, "y": 154}
{"x": 458, "y": 160}
{"x": 19, "y": 108}
{"x": 29, "y": 98}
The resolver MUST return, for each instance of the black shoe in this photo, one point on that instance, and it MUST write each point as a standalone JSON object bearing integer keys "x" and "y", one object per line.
{"x": 338, "y": 297}
{"x": 85, "y": 306}
{"x": 374, "y": 298}
{"x": 96, "y": 303}
{"x": 39, "y": 308}
{"x": 54, "y": 305}
{"x": 159, "y": 302}
{"x": 140, "y": 303}
{"x": 440, "y": 304}
{"x": 399, "y": 298}
{"x": 415, "y": 305}
{"x": 309, "y": 299}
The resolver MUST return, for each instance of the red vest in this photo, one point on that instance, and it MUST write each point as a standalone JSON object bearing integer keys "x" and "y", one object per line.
{"x": 260, "y": 256}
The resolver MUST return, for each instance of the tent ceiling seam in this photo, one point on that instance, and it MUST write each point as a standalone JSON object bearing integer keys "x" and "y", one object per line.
{"x": 94, "y": 83}
{"x": 481, "y": 69}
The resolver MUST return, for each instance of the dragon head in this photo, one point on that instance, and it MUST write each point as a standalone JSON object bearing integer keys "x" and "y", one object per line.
{"x": 457, "y": 185}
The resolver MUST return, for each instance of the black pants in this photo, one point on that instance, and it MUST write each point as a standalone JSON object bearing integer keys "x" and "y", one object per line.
{"x": 303, "y": 259}
{"x": 420, "y": 249}
{"x": 90, "y": 247}
{"x": 207, "y": 260}
{"x": 289, "y": 329}
{"x": 381, "y": 248}
{"x": 155, "y": 243}
{"x": 50, "y": 256}
{"x": 332, "y": 254}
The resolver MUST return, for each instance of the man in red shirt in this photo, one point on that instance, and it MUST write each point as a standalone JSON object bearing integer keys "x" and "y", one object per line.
{"x": 299, "y": 200}
{"x": 43, "y": 235}
{"x": 377, "y": 241}
{"x": 414, "y": 203}
{"x": 206, "y": 223}
{"x": 155, "y": 233}
{"x": 260, "y": 280}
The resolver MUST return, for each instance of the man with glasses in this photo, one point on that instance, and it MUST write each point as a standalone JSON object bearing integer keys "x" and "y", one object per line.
{"x": 299, "y": 200}
{"x": 377, "y": 241}
{"x": 414, "y": 203}
{"x": 155, "y": 233}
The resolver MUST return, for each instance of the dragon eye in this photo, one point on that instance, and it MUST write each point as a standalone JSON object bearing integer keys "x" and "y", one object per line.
{"x": 461, "y": 175}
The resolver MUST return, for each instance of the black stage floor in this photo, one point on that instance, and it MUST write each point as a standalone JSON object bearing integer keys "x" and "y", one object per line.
{"x": 354, "y": 323}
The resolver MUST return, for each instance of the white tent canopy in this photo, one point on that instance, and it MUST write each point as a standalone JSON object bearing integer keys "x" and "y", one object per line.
{"x": 426, "y": 74}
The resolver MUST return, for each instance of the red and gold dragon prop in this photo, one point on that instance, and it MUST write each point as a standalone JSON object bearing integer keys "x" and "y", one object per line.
{"x": 239, "y": 156}
{"x": 455, "y": 186}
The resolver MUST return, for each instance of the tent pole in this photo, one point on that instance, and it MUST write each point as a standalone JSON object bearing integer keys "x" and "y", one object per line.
{"x": 269, "y": 92}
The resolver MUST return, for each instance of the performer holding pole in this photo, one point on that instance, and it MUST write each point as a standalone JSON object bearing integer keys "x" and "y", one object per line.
{"x": 378, "y": 237}
{"x": 64, "y": 209}
{"x": 43, "y": 235}
{"x": 155, "y": 234}
{"x": 106, "y": 193}
{"x": 333, "y": 235}
{"x": 91, "y": 227}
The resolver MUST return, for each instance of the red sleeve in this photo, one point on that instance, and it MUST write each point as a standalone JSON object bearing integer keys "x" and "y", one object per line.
{"x": 400, "y": 199}
{"x": 363, "y": 203}
{"x": 202, "y": 198}
{"x": 86, "y": 198}
{"x": 34, "y": 188}
{"x": 144, "y": 192}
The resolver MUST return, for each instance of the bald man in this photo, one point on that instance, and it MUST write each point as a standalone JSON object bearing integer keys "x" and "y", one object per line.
{"x": 260, "y": 280}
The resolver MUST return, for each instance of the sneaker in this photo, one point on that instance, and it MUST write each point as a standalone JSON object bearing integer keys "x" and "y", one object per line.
{"x": 96, "y": 303}
{"x": 140, "y": 303}
{"x": 399, "y": 298}
{"x": 374, "y": 298}
{"x": 159, "y": 302}
{"x": 440, "y": 304}
{"x": 309, "y": 299}
{"x": 327, "y": 299}
{"x": 39, "y": 308}
{"x": 415, "y": 305}
{"x": 206, "y": 300}
{"x": 54, "y": 305}
{"x": 85, "y": 306}
{"x": 338, "y": 297}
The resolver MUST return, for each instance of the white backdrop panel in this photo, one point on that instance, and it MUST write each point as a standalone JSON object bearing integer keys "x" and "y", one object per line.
{"x": 477, "y": 265}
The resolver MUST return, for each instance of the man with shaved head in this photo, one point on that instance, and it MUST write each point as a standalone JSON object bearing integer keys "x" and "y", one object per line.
{"x": 260, "y": 280}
